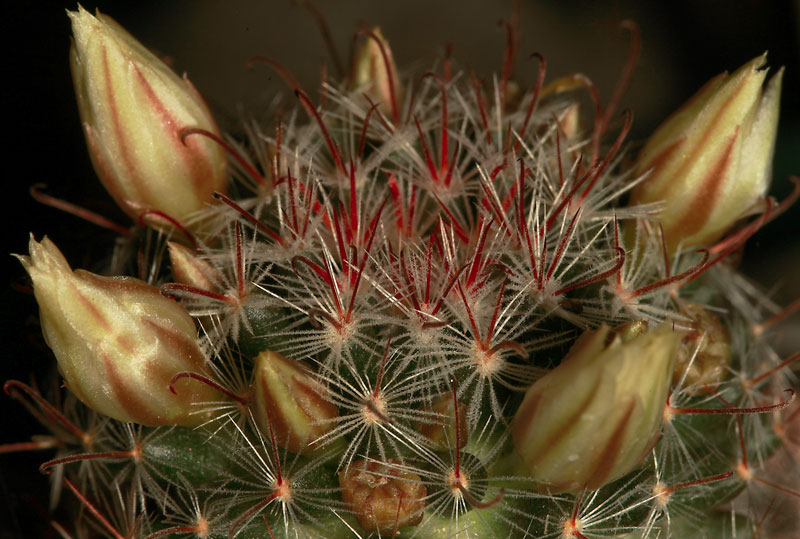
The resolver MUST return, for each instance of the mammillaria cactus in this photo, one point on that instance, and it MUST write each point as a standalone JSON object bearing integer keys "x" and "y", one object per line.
{"x": 421, "y": 306}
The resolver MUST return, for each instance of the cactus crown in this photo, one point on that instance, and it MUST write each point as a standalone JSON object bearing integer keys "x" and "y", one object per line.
{"x": 394, "y": 272}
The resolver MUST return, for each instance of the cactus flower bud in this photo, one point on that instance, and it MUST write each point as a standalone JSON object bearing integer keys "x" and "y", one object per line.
{"x": 133, "y": 108}
{"x": 704, "y": 357}
{"x": 117, "y": 340}
{"x": 711, "y": 161}
{"x": 594, "y": 418}
{"x": 569, "y": 121}
{"x": 384, "y": 497}
{"x": 377, "y": 74}
{"x": 189, "y": 269}
{"x": 289, "y": 399}
{"x": 441, "y": 435}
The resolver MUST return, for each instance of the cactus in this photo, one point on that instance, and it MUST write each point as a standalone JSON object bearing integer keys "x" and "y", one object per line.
{"x": 425, "y": 306}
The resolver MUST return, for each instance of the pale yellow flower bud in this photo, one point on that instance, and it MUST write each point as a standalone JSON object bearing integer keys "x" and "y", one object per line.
{"x": 133, "y": 109}
{"x": 117, "y": 340}
{"x": 711, "y": 161}
{"x": 569, "y": 121}
{"x": 189, "y": 269}
{"x": 376, "y": 74}
{"x": 595, "y": 417}
{"x": 290, "y": 401}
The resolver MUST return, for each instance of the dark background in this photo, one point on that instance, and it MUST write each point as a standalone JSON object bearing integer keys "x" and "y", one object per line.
{"x": 685, "y": 43}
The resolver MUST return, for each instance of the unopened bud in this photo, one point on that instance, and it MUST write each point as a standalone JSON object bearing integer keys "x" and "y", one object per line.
{"x": 594, "y": 418}
{"x": 711, "y": 161}
{"x": 118, "y": 341}
{"x": 189, "y": 269}
{"x": 133, "y": 109}
{"x": 289, "y": 399}
{"x": 440, "y": 432}
{"x": 376, "y": 73}
{"x": 383, "y": 496}
{"x": 569, "y": 121}
{"x": 705, "y": 352}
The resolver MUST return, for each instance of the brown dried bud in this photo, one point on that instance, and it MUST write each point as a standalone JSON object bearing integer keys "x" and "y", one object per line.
{"x": 288, "y": 398}
{"x": 441, "y": 432}
{"x": 382, "y": 495}
{"x": 711, "y": 341}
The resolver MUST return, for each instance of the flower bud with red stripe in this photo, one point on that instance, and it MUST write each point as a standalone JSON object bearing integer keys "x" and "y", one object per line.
{"x": 118, "y": 341}
{"x": 711, "y": 161}
{"x": 376, "y": 74}
{"x": 133, "y": 108}
{"x": 290, "y": 402}
{"x": 595, "y": 416}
